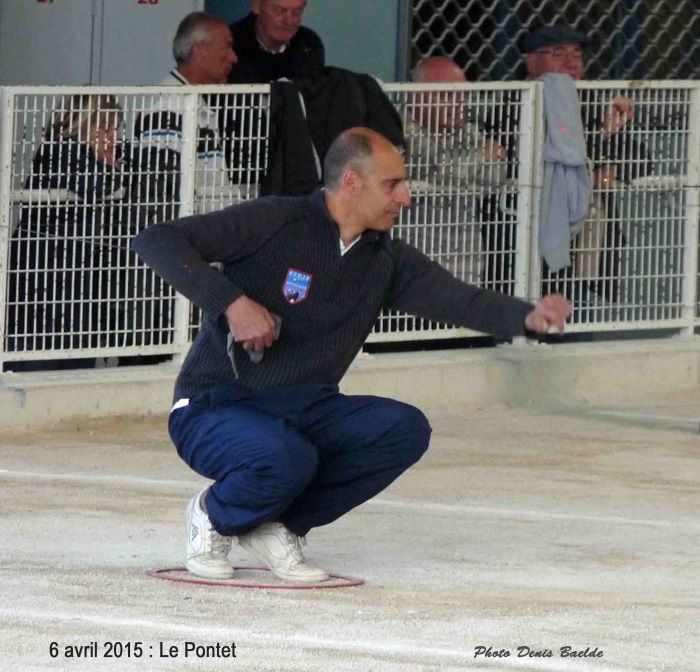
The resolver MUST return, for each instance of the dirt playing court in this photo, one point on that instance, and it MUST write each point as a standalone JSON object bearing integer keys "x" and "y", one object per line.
{"x": 522, "y": 532}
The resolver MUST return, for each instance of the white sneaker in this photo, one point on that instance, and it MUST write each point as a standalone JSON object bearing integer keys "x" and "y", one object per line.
{"x": 280, "y": 550}
{"x": 207, "y": 550}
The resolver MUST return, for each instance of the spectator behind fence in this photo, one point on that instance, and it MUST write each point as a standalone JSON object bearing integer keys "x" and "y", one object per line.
{"x": 258, "y": 408}
{"x": 72, "y": 278}
{"x": 450, "y": 162}
{"x": 615, "y": 156}
{"x": 203, "y": 51}
{"x": 271, "y": 43}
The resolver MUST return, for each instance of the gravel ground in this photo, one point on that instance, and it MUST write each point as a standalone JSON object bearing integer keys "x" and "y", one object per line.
{"x": 521, "y": 533}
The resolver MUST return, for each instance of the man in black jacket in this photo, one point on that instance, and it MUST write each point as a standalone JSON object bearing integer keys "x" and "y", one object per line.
{"x": 271, "y": 43}
{"x": 257, "y": 407}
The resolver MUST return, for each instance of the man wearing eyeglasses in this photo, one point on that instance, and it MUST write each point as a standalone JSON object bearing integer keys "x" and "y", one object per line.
{"x": 559, "y": 50}
{"x": 615, "y": 154}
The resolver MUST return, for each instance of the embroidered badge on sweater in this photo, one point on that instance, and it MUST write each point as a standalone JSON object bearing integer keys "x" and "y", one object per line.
{"x": 296, "y": 286}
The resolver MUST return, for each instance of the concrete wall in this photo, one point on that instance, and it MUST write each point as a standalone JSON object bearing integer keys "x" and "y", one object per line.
{"x": 78, "y": 42}
{"x": 583, "y": 375}
{"x": 91, "y": 37}
{"x": 228, "y": 10}
{"x": 359, "y": 35}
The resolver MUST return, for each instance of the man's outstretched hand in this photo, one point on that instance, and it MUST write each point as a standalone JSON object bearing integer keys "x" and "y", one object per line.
{"x": 550, "y": 311}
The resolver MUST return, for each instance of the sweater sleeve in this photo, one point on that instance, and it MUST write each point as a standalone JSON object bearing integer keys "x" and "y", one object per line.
{"x": 181, "y": 251}
{"x": 422, "y": 287}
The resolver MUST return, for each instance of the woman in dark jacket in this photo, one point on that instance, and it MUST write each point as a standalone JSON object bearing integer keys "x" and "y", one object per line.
{"x": 74, "y": 284}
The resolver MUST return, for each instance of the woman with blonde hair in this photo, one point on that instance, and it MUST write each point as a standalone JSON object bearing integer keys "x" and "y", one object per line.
{"x": 92, "y": 119}
{"x": 70, "y": 250}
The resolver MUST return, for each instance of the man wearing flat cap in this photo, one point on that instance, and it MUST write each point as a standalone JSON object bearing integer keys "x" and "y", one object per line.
{"x": 559, "y": 49}
{"x": 615, "y": 154}
{"x": 555, "y": 49}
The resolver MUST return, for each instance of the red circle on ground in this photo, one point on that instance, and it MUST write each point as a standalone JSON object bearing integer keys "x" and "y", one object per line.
{"x": 170, "y": 574}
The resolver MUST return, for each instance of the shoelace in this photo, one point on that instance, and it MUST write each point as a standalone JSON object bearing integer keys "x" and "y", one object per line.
{"x": 220, "y": 545}
{"x": 294, "y": 543}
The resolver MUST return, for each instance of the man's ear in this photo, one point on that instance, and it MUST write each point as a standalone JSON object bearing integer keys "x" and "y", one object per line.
{"x": 197, "y": 49}
{"x": 255, "y": 6}
{"x": 352, "y": 180}
{"x": 530, "y": 62}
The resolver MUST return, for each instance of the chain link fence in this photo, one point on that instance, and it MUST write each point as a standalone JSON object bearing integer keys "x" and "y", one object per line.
{"x": 631, "y": 39}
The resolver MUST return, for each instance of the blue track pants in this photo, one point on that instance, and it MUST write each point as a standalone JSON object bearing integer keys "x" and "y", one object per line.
{"x": 303, "y": 455}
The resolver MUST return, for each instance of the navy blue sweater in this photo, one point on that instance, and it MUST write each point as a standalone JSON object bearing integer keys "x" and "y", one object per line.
{"x": 329, "y": 312}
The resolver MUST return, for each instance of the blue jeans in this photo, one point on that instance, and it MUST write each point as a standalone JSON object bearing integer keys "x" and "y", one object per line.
{"x": 303, "y": 455}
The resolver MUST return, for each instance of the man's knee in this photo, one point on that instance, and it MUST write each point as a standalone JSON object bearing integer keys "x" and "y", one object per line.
{"x": 288, "y": 468}
{"x": 411, "y": 428}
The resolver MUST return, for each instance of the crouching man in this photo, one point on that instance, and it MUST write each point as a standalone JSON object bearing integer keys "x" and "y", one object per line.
{"x": 257, "y": 406}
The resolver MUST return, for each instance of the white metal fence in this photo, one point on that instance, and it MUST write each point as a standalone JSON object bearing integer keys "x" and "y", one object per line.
{"x": 84, "y": 170}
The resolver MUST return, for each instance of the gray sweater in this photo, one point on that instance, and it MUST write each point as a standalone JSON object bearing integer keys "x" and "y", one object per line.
{"x": 260, "y": 243}
{"x": 566, "y": 186}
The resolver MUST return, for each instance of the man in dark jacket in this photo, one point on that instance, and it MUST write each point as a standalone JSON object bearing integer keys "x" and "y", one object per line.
{"x": 271, "y": 43}
{"x": 257, "y": 407}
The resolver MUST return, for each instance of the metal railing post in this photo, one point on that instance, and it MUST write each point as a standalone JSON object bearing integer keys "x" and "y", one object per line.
{"x": 691, "y": 240}
{"x": 181, "y": 316}
{"x": 6, "y": 135}
{"x": 531, "y": 133}
{"x": 403, "y": 64}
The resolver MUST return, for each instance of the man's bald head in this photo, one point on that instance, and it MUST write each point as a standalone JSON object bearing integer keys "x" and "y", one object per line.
{"x": 439, "y": 110}
{"x": 365, "y": 179}
{"x": 351, "y": 150}
{"x": 436, "y": 69}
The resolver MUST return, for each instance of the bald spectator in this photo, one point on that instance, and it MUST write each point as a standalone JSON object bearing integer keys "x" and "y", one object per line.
{"x": 464, "y": 153}
{"x": 271, "y": 43}
{"x": 203, "y": 51}
{"x": 450, "y": 161}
